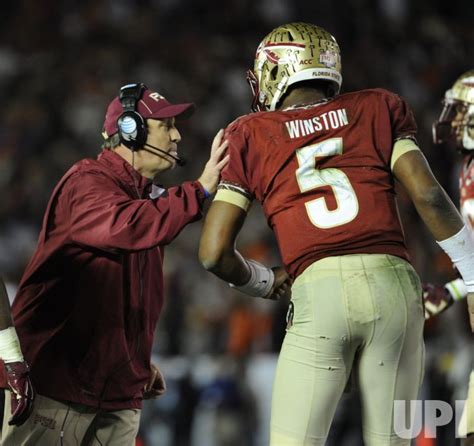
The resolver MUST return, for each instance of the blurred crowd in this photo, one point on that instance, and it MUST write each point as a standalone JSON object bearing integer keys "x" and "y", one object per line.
{"x": 61, "y": 62}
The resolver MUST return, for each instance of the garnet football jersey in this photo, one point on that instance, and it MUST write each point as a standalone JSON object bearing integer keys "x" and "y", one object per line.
{"x": 466, "y": 186}
{"x": 322, "y": 173}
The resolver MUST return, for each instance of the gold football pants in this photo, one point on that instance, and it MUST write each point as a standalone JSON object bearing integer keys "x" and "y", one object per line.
{"x": 466, "y": 425}
{"x": 359, "y": 314}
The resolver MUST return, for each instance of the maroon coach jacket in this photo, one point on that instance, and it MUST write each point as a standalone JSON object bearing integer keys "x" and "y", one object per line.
{"x": 90, "y": 298}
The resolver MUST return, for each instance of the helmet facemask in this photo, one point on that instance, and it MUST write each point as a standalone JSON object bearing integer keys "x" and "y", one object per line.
{"x": 253, "y": 83}
{"x": 293, "y": 53}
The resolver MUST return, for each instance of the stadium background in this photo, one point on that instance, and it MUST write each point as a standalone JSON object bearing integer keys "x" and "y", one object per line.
{"x": 61, "y": 62}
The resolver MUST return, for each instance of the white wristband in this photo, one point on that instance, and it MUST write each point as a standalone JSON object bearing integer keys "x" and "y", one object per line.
{"x": 460, "y": 248}
{"x": 457, "y": 289}
{"x": 260, "y": 282}
{"x": 10, "y": 350}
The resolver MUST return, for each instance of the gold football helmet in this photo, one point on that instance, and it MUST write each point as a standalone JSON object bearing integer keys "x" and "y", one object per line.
{"x": 456, "y": 121}
{"x": 293, "y": 53}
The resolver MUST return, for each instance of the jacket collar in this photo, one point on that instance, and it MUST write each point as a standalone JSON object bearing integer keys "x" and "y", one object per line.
{"x": 124, "y": 171}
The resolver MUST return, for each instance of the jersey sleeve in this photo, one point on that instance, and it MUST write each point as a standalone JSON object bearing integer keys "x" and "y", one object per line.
{"x": 104, "y": 217}
{"x": 402, "y": 118}
{"x": 234, "y": 186}
{"x": 394, "y": 121}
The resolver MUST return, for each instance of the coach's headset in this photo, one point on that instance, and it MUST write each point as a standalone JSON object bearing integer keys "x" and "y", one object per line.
{"x": 131, "y": 124}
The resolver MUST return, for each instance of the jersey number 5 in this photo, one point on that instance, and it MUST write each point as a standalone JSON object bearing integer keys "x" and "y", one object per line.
{"x": 310, "y": 177}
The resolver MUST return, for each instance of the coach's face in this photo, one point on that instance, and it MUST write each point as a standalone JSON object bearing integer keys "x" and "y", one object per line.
{"x": 163, "y": 134}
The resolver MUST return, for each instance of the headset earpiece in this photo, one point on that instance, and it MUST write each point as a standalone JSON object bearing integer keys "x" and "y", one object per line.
{"x": 131, "y": 125}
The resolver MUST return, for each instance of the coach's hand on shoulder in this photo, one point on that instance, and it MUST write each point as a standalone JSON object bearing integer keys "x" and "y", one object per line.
{"x": 156, "y": 384}
{"x": 22, "y": 392}
{"x": 211, "y": 173}
{"x": 436, "y": 299}
{"x": 282, "y": 285}
{"x": 470, "y": 307}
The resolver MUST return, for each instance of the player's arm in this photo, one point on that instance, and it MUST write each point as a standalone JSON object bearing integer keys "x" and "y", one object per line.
{"x": 22, "y": 393}
{"x": 436, "y": 298}
{"x": 431, "y": 201}
{"x": 218, "y": 254}
{"x": 217, "y": 251}
{"x": 5, "y": 315}
{"x": 438, "y": 213}
{"x": 10, "y": 350}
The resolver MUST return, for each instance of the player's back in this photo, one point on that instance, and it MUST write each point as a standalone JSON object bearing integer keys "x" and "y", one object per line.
{"x": 322, "y": 173}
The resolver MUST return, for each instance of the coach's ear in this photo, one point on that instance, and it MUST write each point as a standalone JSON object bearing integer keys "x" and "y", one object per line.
{"x": 156, "y": 385}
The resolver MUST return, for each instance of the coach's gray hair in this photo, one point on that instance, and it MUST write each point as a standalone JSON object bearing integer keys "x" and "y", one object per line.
{"x": 111, "y": 142}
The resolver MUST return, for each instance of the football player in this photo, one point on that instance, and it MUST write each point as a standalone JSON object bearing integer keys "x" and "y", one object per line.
{"x": 16, "y": 368}
{"x": 323, "y": 167}
{"x": 455, "y": 126}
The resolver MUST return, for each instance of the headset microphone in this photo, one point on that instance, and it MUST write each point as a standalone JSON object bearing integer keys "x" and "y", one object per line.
{"x": 180, "y": 161}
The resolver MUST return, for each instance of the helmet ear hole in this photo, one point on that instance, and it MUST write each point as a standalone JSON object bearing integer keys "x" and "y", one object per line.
{"x": 274, "y": 73}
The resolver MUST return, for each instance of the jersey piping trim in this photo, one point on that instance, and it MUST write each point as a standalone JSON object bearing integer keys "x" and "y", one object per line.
{"x": 233, "y": 197}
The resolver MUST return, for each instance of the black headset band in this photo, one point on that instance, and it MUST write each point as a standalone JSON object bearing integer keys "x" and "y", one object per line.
{"x": 129, "y": 96}
{"x": 133, "y": 136}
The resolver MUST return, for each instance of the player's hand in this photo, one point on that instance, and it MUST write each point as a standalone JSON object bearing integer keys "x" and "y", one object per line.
{"x": 436, "y": 299}
{"x": 22, "y": 392}
{"x": 156, "y": 385}
{"x": 217, "y": 161}
{"x": 470, "y": 309}
{"x": 282, "y": 285}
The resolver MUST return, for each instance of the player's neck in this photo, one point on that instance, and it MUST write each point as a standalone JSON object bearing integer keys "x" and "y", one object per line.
{"x": 301, "y": 97}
